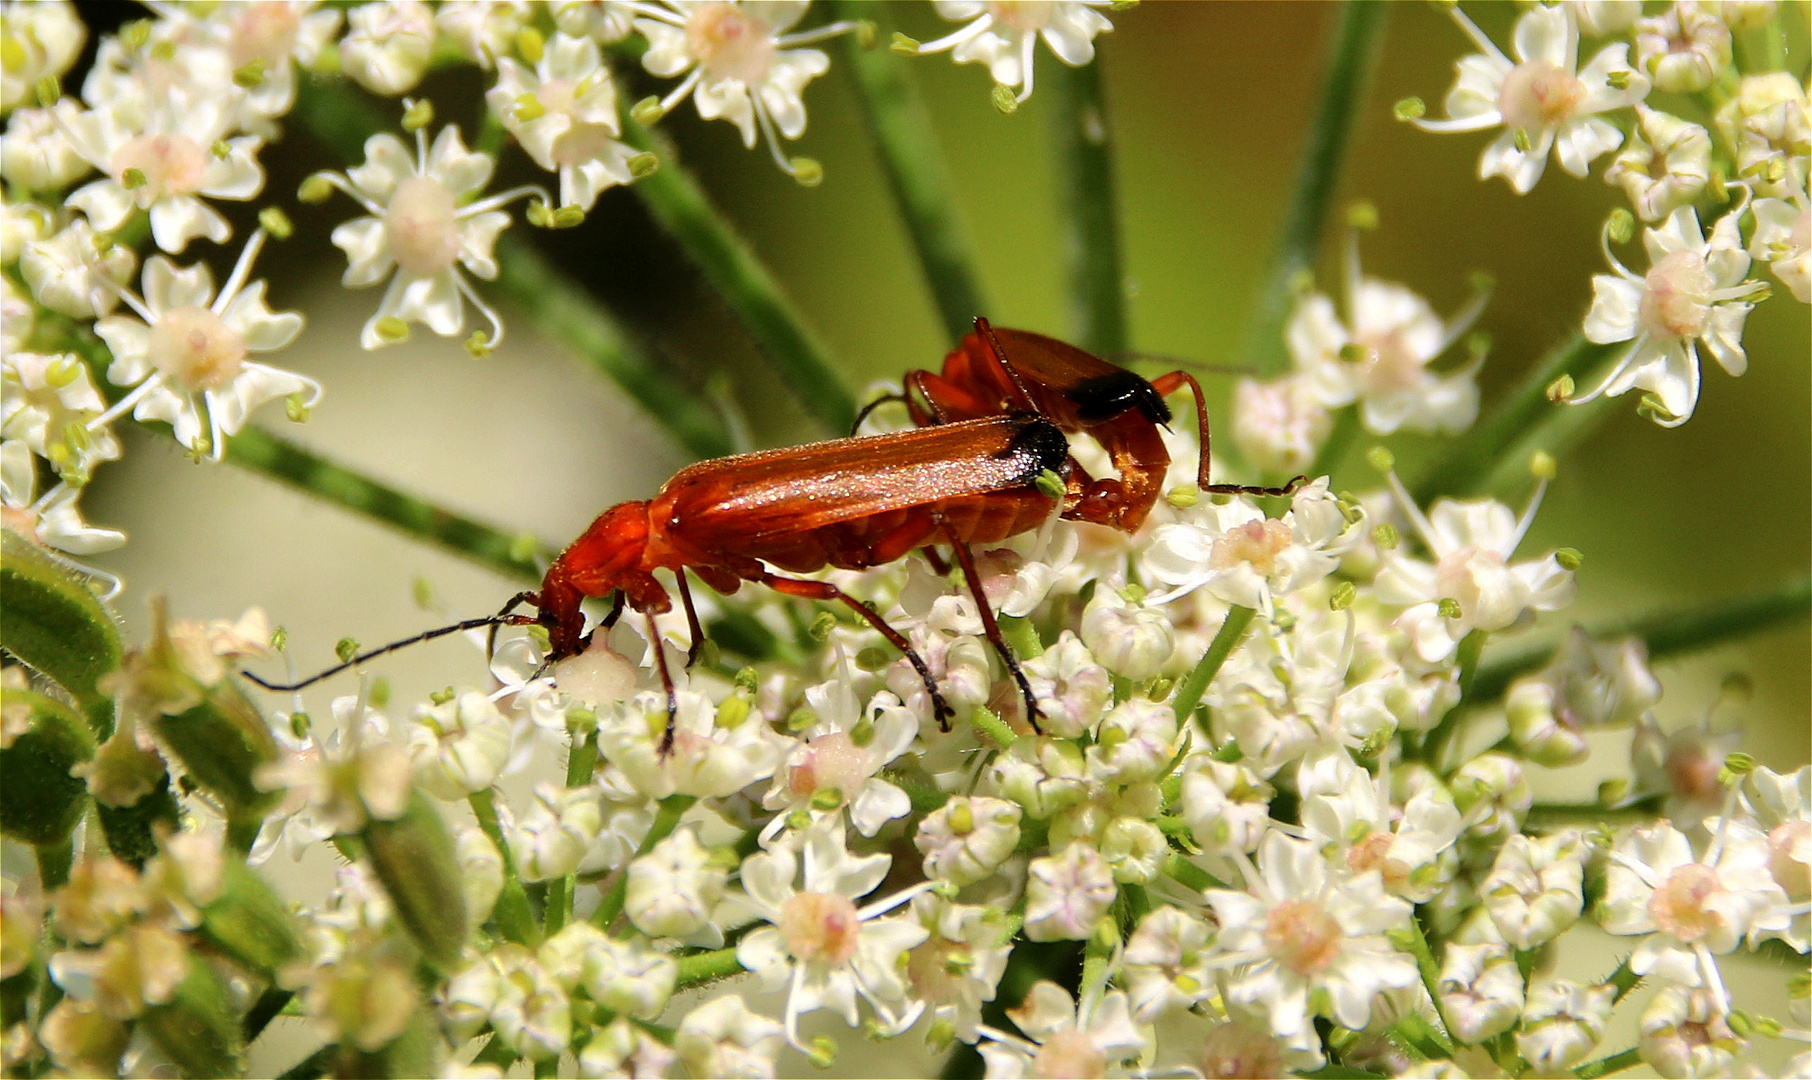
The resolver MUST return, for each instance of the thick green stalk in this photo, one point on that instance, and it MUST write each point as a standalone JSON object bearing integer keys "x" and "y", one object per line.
{"x": 1474, "y": 455}
{"x": 1429, "y": 968}
{"x": 681, "y": 207}
{"x": 1195, "y": 684}
{"x": 1085, "y": 164}
{"x": 907, "y": 147}
{"x": 514, "y": 917}
{"x": 1666, "y": 632}
{"x": 557, "y": 305}
{"x": 258, "y": 450}
{"x": 1605, "y": 1066}
{"x": 707, "y": 967}
{"x": 1344, "y": 92}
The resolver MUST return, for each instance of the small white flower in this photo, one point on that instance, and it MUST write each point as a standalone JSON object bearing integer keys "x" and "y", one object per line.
{"x": 1003, "y": 33}
{"x": 1602, "y": 18}
{"x": 1545, "y": 101}
{"x": 708, "y": 760}
{"x": 21, "y": 222}
{"x": 621, "y": 1049}
{"x": 564, "y": 114}
{"x": 1307, "y": 937}
{"x": 1536, "y": 888}
{"x": 39, "y": 39}
{"x": 1586, "y": 686}
{"x": 527, "y": 1008}
{"x": 459, "y": 746}
{"x": 955, "y": 970}
{"x": 51, "y": 521}
{"x": 187, "y": 351}
{"x": 1664, "y": 167}
{"x": 1481, "y": 990}
{"x": 259, "y": 44}
{"x": 1782, "y": 805}
{"x": 1072, "y": 690}
{"x": 1245, "y": 558}
{"x": 1686, "y": 1033}
{"x": 1694, "y": 292}
{"x": 1683, "y": 49}
{"x": 1493, "y": 796}
{"x": 1471, "y": 584}
{"x": 1562, "y": 1023}
{"x": 966, "y": 839}
{"x": 1135, "y": 743}
{"x": 626, "y": 977}
{"x": 1349, "y": 814}
{"x": 604, "y": 21}
{"x": 1280, "y": 425}
{"x": 1685, "y": 766}
{"x": 825, "y": 950}
{"x": 555, "y": 834}
{"x": 35, "y": 155}
{"x": 1783, "y": 240}
{"x": 421, "y": 231}
{"x": 674, "y": 888}
{"x": 1042, "y": 775}
{"x": 50, "y": 404}
{"x": 723, "y": 1037}
{"x": 845, "y": 749}
{"x": 485, "y": 30}
{"x": 162, "y": 160}
{"x": 1767, "y": 122}
{"x": 1095, "y": 1036}
{"x": 1131, "y": 640}
{"x": 1379, "y": 354}
{"x": 740, "y": 65}
{"x": 1226, "y": 806}
{"x": 388, "y": 44}
{"x": 76, "y": 271}
{"x": 1067, "y": 893}
{"x": 480, "y": 873}
{"x": 1165, "y": 963}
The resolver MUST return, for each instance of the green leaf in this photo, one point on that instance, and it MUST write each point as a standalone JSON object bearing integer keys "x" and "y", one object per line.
{"x": 56, "y": 625}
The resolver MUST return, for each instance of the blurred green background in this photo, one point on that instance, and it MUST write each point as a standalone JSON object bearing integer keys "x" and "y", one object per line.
{"x": 1209, "y": 103}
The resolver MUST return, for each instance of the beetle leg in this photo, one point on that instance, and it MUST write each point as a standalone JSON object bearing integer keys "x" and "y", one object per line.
{"x": 503, "y": 615}
{"x": 660, "y": 663}
{"x": 824, "y": 590}
{"x": 992, "y": 627}
{"x": 697, "y": 631}
{"x": 1176, "y": 380}
{"x": 938, "y": 565}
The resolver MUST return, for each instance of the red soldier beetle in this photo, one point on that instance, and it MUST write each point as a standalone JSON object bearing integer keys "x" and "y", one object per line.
{"x": 850, "y": 503}
{"x": 995, "y": 370}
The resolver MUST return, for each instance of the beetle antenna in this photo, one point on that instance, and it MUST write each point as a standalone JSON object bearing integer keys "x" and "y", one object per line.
{"x": 502, "y": 618}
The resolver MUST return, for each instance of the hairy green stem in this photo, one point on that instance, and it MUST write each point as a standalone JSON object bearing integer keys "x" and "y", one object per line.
{"x": 1097, "y": 281}
{"x": 707, "y": 967}
{"x": 1605, "y": 1066}
{"x": 515, "y": 919}
{"x": 1473, "y": 457}
{"x": 262, "y": 452}
{"x": 906, "y": 144}
{"x": 681, "y": 207}
{"x": 1430, "y": 970}
{"x": 1195, "y": 684}
{"x": 1352, "y": 54}
{"x": 1667, "y": 632}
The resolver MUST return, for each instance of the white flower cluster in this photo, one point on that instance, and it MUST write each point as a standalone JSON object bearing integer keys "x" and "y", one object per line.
{"x": 1749, "y": 171}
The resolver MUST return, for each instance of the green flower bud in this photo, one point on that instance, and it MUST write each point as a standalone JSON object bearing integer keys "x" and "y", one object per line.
{"x": 415, "y": 859}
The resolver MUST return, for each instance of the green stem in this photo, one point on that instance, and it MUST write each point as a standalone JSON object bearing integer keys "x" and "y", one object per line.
{"x": 1091, "y": 224}
{"x": 681, "y": 207}
{"x": 553, "y": 302}
{"x": 1189, "y": 875}
{"x": 54, "y": 862}
{"x": 1605, "y": 1066}
{"x": 1471, "y": 647}
{"x": 1344, "y": 92}
{"x": 1556, "y": 434}
{"x": 1474, "y": 455}
{"x": 611, "y": 905}
{"x": 1666, "y": 633}
{"x": 1430, "y": 970}
{"x": 906, "y": 144}
{"x": 1195, "y": 684}
{"x": 1546, "y": 815}
{"x": 579, "y": 765}
{"x": 707, "y": 967}
{"x": 1340, "y": 439}
{"x": 515, "y": 919}
{"x": 262, "y": 452}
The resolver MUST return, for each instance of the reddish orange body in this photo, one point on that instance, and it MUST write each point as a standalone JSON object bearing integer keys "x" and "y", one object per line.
{"x": 993, "y": 370}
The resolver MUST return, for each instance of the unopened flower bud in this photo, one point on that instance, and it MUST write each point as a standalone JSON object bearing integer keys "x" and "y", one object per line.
{"x": 968, "y": 838}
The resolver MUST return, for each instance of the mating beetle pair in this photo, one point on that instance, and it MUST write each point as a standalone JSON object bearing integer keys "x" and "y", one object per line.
{"x": 977, "y": 469}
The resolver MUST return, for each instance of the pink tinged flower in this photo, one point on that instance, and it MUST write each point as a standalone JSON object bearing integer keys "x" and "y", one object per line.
{"x": 674, "y": 888}
{"x": 1072, "y": 690}
{"x": 1003, "y": 34}
{"x": 1535, "y": 889}
{"x": 1244, "y": 1046}
{"x": 1471, "y": 585}
{"x": 1684, "y": 765}
{"x": 255, "y": 45}
{"x": 723, "y": 1037}
{"x": 1481, "y": 990}
{"x": 388, "y": 44}
{"x": 1067, "y": 893}
{"x": 1683, "y": 49}
{"x": 1245, "y": 558}
{"x": 1782, "y": 805}
{"x": 837, "y": 766}
{"x": 459, "y": 746}
{"x": 188, "y": 352}
{"x": 163, "y": 160}
{"x": 827, "y": 952}
{"x": 1307, "y": 937}
{"x": 1544, "y": 101}
{"x": 1165, "y": 963}
{"x": 425, "y": 225}
{"x": 1783, "y": 240}
{"x": 1280, "y": 425}
{"x": 1095, "y": 1036}
{"x": 1694, "y": 292}
{"x": 968, "y": 838}
{"x": 1691, "y": 909}
{"x": 1686, "y": 1032}
{"x": 1562, "y": 1023}
{"x": 564, "y": 114}
{"x": 739, "y": 64}
{"x": 1350, "y": 814}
